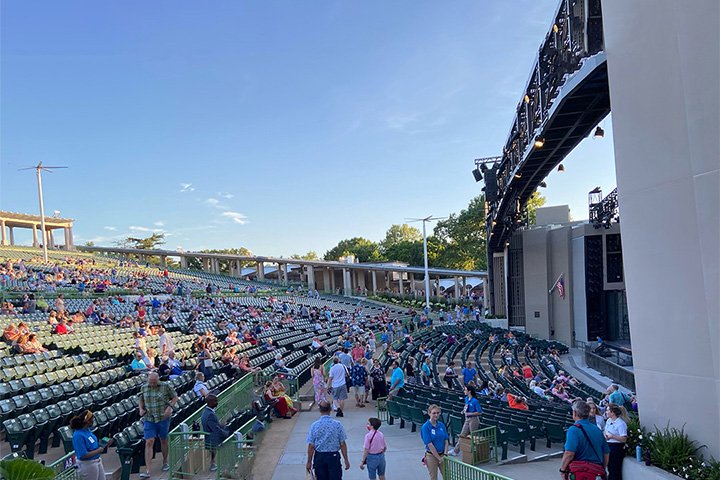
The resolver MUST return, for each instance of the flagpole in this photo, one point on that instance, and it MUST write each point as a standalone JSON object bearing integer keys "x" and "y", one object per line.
{"x": 556, "y": 282}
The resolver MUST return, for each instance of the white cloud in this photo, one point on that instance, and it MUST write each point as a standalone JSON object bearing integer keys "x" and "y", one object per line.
{"x": 136, "y": 228}
{"x": 226, "y": 195}
{"x": 112, "y": 229}
{"x": 159, "y": 224}
{"x": 236, "y": 217}
{"x": 213, "y": 202}
{"x": 186, "y": 187}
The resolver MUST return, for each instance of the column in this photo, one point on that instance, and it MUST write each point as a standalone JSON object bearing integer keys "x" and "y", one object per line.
{"x": 310, "y": 277}
{"x": 412, "y": 284}
{"x": 35, "y": 236}
{"x": 183, "y": 261}
{"x": 326, "y": 279}
{"x": 70, "y": 238}
{"x": 11, "y": 231}
{"x": 163, "y": 261}
{"x": 464, "y": 286}
{"x": 260, "y": 271}
{"x": 332, "y": 281}
{"x": 4, "y": 238}
{"x": 664, "y": 72}
{"x": 346, "y": 285}
{"x": 486, "y": 286}
{"x": 215, "y": 265}
{"x": 457, "y": 288}
{"x": 67, "y": 239}
{"x": 401, "y": 287}
{"x": 374, "y": 282}
{"x": 206, "y": 264}
{"x": 238, "y": 268}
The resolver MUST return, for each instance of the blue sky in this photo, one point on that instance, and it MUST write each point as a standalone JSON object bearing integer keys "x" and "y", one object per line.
{"x": 279, "y": 126}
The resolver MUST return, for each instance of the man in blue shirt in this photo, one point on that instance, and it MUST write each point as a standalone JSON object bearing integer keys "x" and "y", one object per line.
{"x": 584, "y": 442}
{"x": 325, "y": 437}
{"x": 468, "y": 373}
{"x": 397, "y": 380}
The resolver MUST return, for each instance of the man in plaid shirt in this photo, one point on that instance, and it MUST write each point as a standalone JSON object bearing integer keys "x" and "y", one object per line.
{"x": 156, "y": 400}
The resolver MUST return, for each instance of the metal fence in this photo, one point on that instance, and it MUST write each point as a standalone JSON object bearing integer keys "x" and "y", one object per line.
{"x": 456, "y": 470}
{"x": 65, "y": 468}
{"x": 184, "y": 445}
{"x": 234, "y": 457}
{"x": 490, "y": 435}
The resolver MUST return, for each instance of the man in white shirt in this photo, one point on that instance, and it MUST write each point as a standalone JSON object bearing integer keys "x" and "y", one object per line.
{"x": 336, "y": 379}
{"x": 166, "y": 343}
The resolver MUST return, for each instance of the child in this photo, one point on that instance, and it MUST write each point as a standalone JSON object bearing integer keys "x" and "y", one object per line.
{"x": 374, "y": 450}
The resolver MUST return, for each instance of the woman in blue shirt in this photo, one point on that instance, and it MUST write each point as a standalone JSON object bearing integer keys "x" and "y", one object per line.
{"x": 87, "y": 448}
{"x": 472, "y": 413}
{"x": 435, "y": 437}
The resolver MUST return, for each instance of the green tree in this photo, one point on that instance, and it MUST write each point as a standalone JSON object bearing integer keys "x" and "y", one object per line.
{"x": 147, "y": 243}
{"x": 460, "y": 239}
{"x": 410, "y": 252}
{"x": 400, "y": 233}
{"x": 89, "y": 244}
{"x": 364, "y": 250}
{"x": 534, "y": 202}
{"x": 197, "y": 264}
{"x": 310, "y": 255}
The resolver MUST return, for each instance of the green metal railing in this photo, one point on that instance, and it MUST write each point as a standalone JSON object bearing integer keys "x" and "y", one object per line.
{"x": 183, "y": 444}
{"x": 65, "y": 468}
{"x": 490, "y": 435}
{"x": 234, "y": 457}
{"x": 456, "y": 470}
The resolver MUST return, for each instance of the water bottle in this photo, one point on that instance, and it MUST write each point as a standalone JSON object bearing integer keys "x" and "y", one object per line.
{"x": 638, "y": 454}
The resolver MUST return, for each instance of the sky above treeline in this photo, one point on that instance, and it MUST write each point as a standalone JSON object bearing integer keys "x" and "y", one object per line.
{"x": 282, "y": 127}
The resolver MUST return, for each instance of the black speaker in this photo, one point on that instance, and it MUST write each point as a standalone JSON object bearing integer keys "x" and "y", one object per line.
{"x": 478, "y": 176}
{"x": 491, "y": 187}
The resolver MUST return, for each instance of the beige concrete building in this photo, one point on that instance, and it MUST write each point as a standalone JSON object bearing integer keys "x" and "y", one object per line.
{"x": 9, "y": 221}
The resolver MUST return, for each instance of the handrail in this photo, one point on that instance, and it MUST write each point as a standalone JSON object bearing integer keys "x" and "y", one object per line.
{"x": 456, "y": 470}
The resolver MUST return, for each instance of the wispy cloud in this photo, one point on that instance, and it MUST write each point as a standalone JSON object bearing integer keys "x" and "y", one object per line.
{"x": 112, "y": 229}
{"x": 236, "y": 217}
{"x": 186, "y": 187}
{"x": 225, "y": 195}
{"x": 159, "y": 224}
{"x": 135, "y": 228}
{"x": 213, "y": 202}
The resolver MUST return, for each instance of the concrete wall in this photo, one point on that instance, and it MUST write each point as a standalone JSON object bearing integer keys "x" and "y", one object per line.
{"x": 554, "y": 215}
{"x": 664, "y": 72}
{"x": 578, "y": 284}
{"x": 560, "y": 263}
{"x": 535, "y": 265}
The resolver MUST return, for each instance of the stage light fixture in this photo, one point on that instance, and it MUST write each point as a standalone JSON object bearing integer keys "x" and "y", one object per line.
{"x": 543, "y": 184}
{"x": 518, "y": 175}
{"x": 483, "y": 168}
{"x": 599, "y": 132}
{"x": 527, "y": 98}
{"x": 561, "y": 168}
{"x": 478, "y": 176}
{"x": 539, "y": 142}
{"x": 555, "y": 28}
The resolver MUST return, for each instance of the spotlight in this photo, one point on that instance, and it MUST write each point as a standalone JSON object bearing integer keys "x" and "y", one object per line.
{"x": 543, "y": 184}
{"x": 518, "y": 175}
{"x": 561, "y": 168}
{"x": 478, "y": 176}
{"x": 527, "y": 99}
{"x": 555, "y": 28}
{"x": 483, "y": 168}
{"x": 599, "y": 132}
{"x": 539, "y": 142}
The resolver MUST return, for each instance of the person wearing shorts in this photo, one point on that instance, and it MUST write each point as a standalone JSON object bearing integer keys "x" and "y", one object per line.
{"x": 374, "y": 450}
{"x": 156, "y": 401}
{"x": 358, "y": 377}
{"x": 336, "y": 379}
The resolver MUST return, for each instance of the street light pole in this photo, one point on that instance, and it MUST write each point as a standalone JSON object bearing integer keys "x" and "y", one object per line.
{"x": 427, "y": 276}
{"x": 42, "y": 213}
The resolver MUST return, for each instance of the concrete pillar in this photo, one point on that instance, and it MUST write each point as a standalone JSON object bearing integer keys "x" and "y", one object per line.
{"x": 11, "y": 231}
{"x": 50, "y": 238}
{"x": 206, "y": 264}
{"x": 346, "y": 284}
{"x": 71, "y": 239}
{"x": 183, "y": 261}
{"x": 664, "y": 72}
{"x": 326, "y": 279}
{"x": 464, "y": 285}
{"x": 310, "y": 277}
{"x": 35, "y": 236}
{"x": 332, "y": 281}
{"x": 486, "y": 286}
{"x": 4, "y": 237}
{"x": 260, "y": 271}
{"x": 457, "y": 287}
{"x": 412, "y": 283}
{"x": 215, "y": 263}
{"x": 374, "y": 282}
{"x": 238, "y": 268}
{"x": 163, "y": 261}
{"x": 401, "y": 287}
{"x": 67, "y": 239}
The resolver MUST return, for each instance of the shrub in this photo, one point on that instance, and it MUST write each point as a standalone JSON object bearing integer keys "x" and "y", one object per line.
{"x": 635, "y": 435}
{"x": 24, "y": 469}
{"x": 672, "y": 450}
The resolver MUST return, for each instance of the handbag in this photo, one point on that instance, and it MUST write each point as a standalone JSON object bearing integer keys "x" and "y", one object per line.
{"x": 208, "y": 362}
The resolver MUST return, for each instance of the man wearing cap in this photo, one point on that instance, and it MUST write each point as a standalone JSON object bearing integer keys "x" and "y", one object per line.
{"x": 156, "y": 401}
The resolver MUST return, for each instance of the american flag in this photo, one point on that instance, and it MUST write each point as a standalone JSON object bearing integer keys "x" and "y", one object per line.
{"x": 560, "y": 285}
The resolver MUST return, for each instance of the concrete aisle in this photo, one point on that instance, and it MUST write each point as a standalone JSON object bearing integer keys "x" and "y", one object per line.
{"x": 403, "y": 457}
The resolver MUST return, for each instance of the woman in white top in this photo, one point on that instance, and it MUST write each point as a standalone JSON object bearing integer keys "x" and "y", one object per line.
{"x": 616, "y": 436}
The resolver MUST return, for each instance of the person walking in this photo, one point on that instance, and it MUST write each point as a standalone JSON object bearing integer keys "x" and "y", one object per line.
{"x": 426, "y": 373}
{"x": 326, "y": 441}
{"x": 616, "y": 436}
{"x": 586, "y": 451}
{"x": 397, "y": 380}
{"x": 379, "y": 382}
{"x": 87, "y": 447}
{"x": 318, "y": 377}
{"x": 472, "y": 413}
{"x": 358, "y": 377}
{"x": 336, "y": 379}
{"x": 374, "y": 449}
{"x": 215, "y": 431}
{"x": 155, "y": 402}
{"x": 435, "y": 437}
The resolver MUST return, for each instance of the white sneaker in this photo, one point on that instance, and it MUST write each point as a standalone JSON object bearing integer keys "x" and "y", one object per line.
{"x": 452, "y": 452}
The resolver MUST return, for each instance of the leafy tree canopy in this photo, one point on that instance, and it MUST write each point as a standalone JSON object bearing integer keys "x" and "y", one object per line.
{"x": 364, "y": 250}
{"x": 310, "y": 255}
{"x": 148, "y": 243}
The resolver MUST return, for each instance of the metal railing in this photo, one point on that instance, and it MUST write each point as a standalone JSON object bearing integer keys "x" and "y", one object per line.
{"x": 182, "y": 443}
{"x": 234, "y": 457}
{"x": 483, "y": 440}
{"x": 456, "y": 470}
{"x": 65, "y": 468}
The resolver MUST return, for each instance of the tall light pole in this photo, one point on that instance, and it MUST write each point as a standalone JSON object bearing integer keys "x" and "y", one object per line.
{"x": 38, "y": 169}
{"x": 425, "y": 255}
